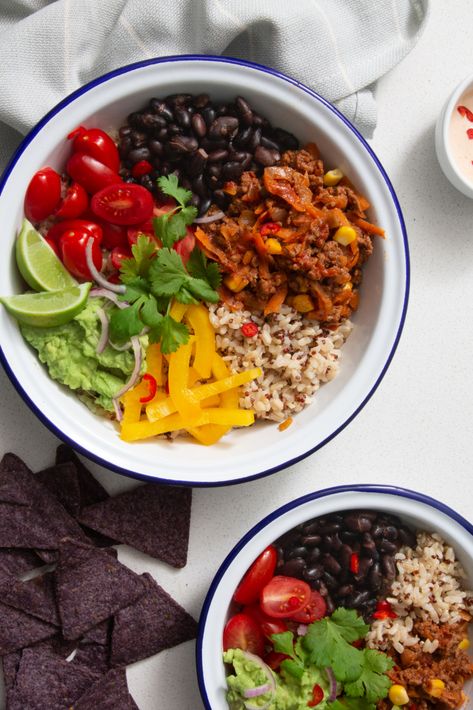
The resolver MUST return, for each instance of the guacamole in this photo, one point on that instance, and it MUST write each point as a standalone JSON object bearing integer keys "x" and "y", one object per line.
{"x": 291, "y": 693}
{"x": 69, "y": 352}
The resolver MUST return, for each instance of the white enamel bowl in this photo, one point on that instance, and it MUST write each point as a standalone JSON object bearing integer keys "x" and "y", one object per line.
{"x": 419, "y": 511}
{"x": 246, "y": 453}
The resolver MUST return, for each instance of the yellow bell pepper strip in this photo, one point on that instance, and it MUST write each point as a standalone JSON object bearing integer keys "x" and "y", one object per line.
{"x": 159, "y": 410}
{"x": 220, "y": 370}
{"x": 131, "y": 402}
{"x": 208, "y": 434}
{"x": 197, "y": 317}
{"x": 182, "y": 397}
{"x": 154, "y": 363}
{"x": 213, "y": 401}
{"x": 135, "y": 431}
{"x": 178, "y": 310}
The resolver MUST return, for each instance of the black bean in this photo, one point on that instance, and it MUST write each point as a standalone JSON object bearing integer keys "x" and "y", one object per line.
{"x": 386, "y": 546}
{"x": 183, "y": 144}
{"x": 314, "y": 555}
{"x": 293, "y": 568}
{"x": 156, "y": 163}
{"x": 344, "y": 555}
{"x": 311, "y": 527}
{"x": 138, "y": 138}
{"x": 330, "y": 604}
{"x": 313, "y": 572}
{"x": 124, "y": 131}
{"x": 182, "y": 117}
{"x": 345, "y": 590}
{"x": 147, "y": 181}
{"x": 179, "y": 99}
{"x": 332, "y": 542}
{"x": 357, "y": 522}
{"x": 208, "y": 114}
{"x": 204, "y": 206}
{"x": 329, "y": 580}
{"x": 237, "y": 155}
{"x": 243, "y": 137}
{"x": 319, "y": 585}
{"x": 407, "y": 537}
{"x": 156, "y": 147}
{"x": 266, "y": 156}
{"x": 358, "y": 599}
{"x": 195, "y": 201}
{"x": 364, "y": 567}
{"x": 260, "y": 120}
{"x": 285, "y": 139}
{"x": 198, "y": 125}
{"x": 162, "y": 134}
{"x": 125, "y": 146}
{"x": 162, "y": 109}
{"x": 165, "y": 169}
{"x": 137, "y": 154}
{"x": 198, "y": 186}
{"x": 368, "y": 543}
{"x": 390, "y": 532}
{"x": 375, "y": 578}
{"x": 254, "y": 140}
{"x": 331, "y": 564}
{"x": 232, "y": 170}
{"x": 221, "y": 199}
{"x": 388, "y": 566}
{"x": 268, "y": 143}
{"x": 197, "y": 162}
{"x": 214, "y": 170}
{"x": 216, "y": 156}
{"x": 330, "y": 528}
{"x": 173, "y": 129}
{"x": 311, "y": 540}
{"x": 348, "y": 537}
{"x": 152, "y": 122}
{"x": 244, "y": 110}
{"x": 201, "y": 100}
{"x": 297, "y": 552}
{"x": 223, "y": 127}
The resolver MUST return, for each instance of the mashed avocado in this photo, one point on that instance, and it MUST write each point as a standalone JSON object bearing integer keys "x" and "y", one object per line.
{"x": 69, "y": 353}
{"x": 291, "y": 693}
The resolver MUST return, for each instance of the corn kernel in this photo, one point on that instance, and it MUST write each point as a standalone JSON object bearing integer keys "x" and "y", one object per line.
{"x": 345, "y": 235}
{"x": 348, "y": 286}
{"x": 398, "y": 695}
{"x": 302, "y": 303}
{"x": 435, "y": 687}
{"x": 333, "y": 177}
{"x": 273, "y": 246}
{"x": 235, "y": 282}
{"x": 464, "y": 645}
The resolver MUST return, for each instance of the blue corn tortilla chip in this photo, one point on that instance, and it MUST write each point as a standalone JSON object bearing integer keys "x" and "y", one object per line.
{"x": 10, "y": 665}
{"x": 93, "y": 656}
{"x": 91, "y": 586}
{"x": 63, "y": 482}
{"x": 15, "y": 561}
{"x": 18, "y": 629}
{"x": 109, "y": 693}
{"x": 29, "y": 515}
{"x": 152, "y": 518}
{"x": 45, "y": 681}
{"x": 36, "y": 596}
{"x": 154, "y": 622}
{"x": 99, "y": 634}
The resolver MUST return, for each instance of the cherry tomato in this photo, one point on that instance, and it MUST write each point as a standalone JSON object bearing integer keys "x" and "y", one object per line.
{"x": 315, "y": 609}
{"x": 257, "y": 577}
{"x": 53, "y": 246}
{"x": 90, "y": 173}
{"x": 317, "y": 696}
{"x": 74, "y": 202}
{"x": 274, "y": 659}
{"x": 243, "y": 632}
{"x": 123, "y": 204}
{"x": 117, "y": 255}
{"x": 145, "y": 228}
{"x": 268, "y": 625}
{"x": 96, "y": 143}
{"x": 185, "y": 245}
{"x": 57, "y": 230}
{"x": 42, "y": 194}
{"x": 114, "y": 235}
{"x": 72, "y": 245}
{"x": 284, "y": 597}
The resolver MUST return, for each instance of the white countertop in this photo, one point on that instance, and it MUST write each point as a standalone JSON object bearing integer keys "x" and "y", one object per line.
{"x": 416, "y": 431}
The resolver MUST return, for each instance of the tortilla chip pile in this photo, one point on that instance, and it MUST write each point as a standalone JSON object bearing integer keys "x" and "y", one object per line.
{"x": 68, "y": 631}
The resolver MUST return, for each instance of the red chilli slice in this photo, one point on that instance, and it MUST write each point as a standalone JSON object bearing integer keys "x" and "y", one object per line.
{"x": 249, "y": 330}
{"x": 153, "y": 386}
{"x": 469, "y": 133}
{"x": 465, "y": 112}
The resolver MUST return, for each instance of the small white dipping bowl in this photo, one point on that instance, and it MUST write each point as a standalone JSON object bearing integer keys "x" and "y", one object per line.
{"x": 261, "y": 449}
{"x": 443, "y": 146}
{"x": 420, "y": 511}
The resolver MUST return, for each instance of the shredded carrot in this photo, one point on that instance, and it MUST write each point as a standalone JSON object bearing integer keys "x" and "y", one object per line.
{"x": 276, "y": 301}
{"x": 369, "y": 227}
{"x": 285, "y": 424}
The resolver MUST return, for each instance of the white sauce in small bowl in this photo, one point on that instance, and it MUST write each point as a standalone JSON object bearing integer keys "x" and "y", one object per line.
{"x": 460, "y": 144}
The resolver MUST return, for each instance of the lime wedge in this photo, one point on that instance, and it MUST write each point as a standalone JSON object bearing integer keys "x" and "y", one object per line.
{"x": 37, "y": 262}
{"x": 48, "y": 308}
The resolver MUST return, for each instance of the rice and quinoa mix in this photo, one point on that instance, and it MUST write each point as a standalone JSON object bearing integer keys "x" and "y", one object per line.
{"x": 295, "y": 354}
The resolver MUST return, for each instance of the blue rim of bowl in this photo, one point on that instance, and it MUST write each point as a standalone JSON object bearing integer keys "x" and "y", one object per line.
{"x": 355, "y": 488}
{"x": 267, "y": 70}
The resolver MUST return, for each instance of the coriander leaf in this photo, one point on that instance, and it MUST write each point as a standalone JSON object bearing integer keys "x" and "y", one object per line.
{"x": 189, "y": 213}
{"x": 150, "y": 314}
{"x": 172, "y": 334}
{"x": 135, "y": 289}
{"x": 169, "y": 185}
{"x": 185, "y": 296}
{"x": 349, "y": 624}
{"x": 373, "y": 682}
{"x": 160, "y": 225}
{"x": 126, "y": 322}
{"x": 351, "y": 704}
{"x": 201, "y": 290}
{"x": 176, "y": 228}
{"x": 293, "y": 668}
{"x": 284, "y": 643}
{"x": 167, "y": 273}
{"x": 199, "y": 267}
{"x": 142, "y": 251}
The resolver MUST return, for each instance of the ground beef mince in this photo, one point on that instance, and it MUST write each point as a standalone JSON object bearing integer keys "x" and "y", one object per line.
{"x": 280, "y": 241}
{"x": 416, "y": 669}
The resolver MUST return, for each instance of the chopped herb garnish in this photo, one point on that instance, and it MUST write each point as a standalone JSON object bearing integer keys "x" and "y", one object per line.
{"x": 172, "y": 226}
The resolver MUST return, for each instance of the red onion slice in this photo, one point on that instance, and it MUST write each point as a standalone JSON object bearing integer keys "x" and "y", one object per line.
{"x": 105, "y": 293}
{"x": 333, "y": 684}
{"x": 102, "y": 343}
{"x": 256, "y": 692}
{"x": 118, "y": 409}
{"x": 302, "y": 629}
{"x": 136, "y": 370}
{"x": 269, "y": 675}
{"x": 120, "y": 348}
{"x": 96, "y": 275}
{"x": 206, "y": 219}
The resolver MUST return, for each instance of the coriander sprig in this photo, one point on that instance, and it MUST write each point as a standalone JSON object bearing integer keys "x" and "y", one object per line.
{"x": 172, "y": 226}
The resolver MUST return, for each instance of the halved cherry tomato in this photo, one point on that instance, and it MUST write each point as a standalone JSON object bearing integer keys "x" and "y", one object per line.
{"x": 274, "y": 659}
{"x": 74, "y": 203}
{"x": 117, "y": 255}
{"x": 123, "y": 204}
{"x": 114, "y": 235}
{"x": 57, "y": 230}
{"x": 268, "y": 625}
{"x": 42, "y": 194}
{"x": 315, "y": 609}
{"x": 258, "y": 576}
{"x": 53, "y": 246}
{"x": 96, "y": 143}
{"x": 284, "y": 596}
{"x": 243, "y": 632}
{"x": 317, "y": 696}
{"x": 145, "y": 228}
{"x": 185, "y": 245}
{"x": 73, "y": 245}
{"x": 90, "y": 173}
